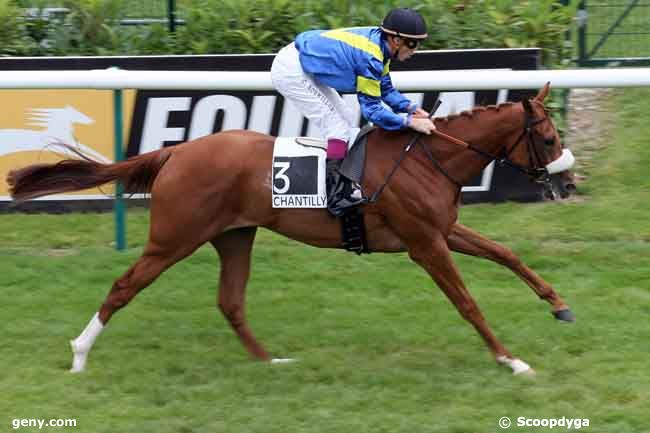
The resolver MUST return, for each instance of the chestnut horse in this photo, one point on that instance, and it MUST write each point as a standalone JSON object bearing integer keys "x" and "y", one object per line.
{"x": 217, "y": 189}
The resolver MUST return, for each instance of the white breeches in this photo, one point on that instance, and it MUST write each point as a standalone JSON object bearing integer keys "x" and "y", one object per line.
{"x": 321, "y": 104}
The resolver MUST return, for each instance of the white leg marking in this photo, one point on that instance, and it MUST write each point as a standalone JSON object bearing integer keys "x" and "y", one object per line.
{"x": 83, "y": 343}
{"x": 517, "y": 365}
{"x": 282, "y": 360}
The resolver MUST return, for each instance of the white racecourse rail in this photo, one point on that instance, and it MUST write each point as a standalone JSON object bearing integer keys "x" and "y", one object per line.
{"x": 113, "y": 78}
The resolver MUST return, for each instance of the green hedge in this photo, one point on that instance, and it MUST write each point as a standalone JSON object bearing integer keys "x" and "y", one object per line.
{"x": 253, "y": 26}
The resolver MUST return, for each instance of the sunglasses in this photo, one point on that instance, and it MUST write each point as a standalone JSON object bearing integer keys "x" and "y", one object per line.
{"x": 411, "y": 43}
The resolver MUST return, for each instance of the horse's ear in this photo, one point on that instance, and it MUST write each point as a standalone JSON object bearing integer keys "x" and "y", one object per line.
{"x": 527, "y": 107}
{"x": 543, "y": 92}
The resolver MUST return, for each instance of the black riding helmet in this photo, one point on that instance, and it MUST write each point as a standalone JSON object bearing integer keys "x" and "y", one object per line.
{"x": 405, "y": 23}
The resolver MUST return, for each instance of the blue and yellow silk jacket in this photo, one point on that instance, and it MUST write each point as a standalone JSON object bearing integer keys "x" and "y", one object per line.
{"x": 355, "y": 60}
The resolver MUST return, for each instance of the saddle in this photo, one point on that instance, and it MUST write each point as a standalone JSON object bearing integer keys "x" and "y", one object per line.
{"x": 355, "y": 162}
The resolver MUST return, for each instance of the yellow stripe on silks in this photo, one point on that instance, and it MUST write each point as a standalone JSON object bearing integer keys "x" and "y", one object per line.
{"x": 356, "y": 41}
{"x": 386, "y": 69}
{"x": 368, "y": 86}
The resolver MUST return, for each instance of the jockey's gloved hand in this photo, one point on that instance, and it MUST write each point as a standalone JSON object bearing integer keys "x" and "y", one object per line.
{"x": 420, "y": 113}
{"x": 421, "y": 124}
{"x": 415, "y": 110}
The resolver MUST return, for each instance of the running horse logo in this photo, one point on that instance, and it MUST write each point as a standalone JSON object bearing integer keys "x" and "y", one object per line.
{"x": 58, "y": 124}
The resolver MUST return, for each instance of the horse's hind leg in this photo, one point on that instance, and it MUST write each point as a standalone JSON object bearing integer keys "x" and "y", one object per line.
{"x": 142, "y": 273}
{"x": 467, "y": 241}
{"x": 234, "y": 248}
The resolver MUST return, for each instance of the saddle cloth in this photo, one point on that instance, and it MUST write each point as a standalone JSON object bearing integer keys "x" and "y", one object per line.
{"x": 299, "y": 173}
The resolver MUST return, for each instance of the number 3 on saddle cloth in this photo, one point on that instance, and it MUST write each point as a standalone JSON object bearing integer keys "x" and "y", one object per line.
{"x": 299, "y": 182}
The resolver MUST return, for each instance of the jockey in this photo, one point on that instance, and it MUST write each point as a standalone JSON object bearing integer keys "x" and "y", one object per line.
{"x": 320, "y": 63}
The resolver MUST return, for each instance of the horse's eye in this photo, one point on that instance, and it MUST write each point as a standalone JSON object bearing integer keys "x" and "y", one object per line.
{"x": 549, "y": 141}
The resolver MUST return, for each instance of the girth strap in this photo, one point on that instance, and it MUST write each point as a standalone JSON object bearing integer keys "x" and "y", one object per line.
{"x": 353, "y": 231}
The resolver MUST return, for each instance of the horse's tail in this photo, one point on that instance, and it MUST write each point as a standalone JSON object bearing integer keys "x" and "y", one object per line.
{"x": 137, "y": 175}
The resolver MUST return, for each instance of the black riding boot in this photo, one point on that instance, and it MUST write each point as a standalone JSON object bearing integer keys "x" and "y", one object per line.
{"x": 332, "y": 176}
{"x": 341, "y": 194}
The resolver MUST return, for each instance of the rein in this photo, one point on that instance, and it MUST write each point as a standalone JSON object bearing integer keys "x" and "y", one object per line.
{"x": 414, "y": 140}
{"x": 540, "y": 174}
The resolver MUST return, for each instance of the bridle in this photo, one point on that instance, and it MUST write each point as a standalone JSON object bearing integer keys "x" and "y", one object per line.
{"x": 536, "y": 171}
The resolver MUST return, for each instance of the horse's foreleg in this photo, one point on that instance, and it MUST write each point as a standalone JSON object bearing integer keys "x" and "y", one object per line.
{"x": 435, "y": 258}
{"x": 464, "y": 240}
{"x": 234, "y": 248}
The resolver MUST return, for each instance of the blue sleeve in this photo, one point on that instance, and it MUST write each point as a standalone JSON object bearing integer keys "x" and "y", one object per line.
{"x": 373, "y": 111}
{"x": 394, "y": 99}
{"x": 370, "y": 95}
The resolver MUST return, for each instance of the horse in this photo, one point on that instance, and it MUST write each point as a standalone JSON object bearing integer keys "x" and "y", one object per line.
{"x": 218, "y": 188}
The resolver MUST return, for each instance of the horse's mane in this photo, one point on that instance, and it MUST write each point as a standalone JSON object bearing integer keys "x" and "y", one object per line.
{"x": 474, "y": 111}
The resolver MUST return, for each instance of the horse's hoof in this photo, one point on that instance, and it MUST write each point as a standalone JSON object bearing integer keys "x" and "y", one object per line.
{"x": 526, "y": 373}
{"x": 79, "y": 358}
{"x": 282, "y": 360}
{"x": 517, "y": 366}
{"x": 565, "y": 315}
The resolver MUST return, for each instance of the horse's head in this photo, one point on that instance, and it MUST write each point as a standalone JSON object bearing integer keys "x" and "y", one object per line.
{"x": 71, "y": 115}
{"x": 538, "y": 148}
{"x": 58, "y": 119}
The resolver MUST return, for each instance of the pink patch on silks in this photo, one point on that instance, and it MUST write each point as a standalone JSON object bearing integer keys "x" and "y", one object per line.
{"x": 336, "y": 148}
